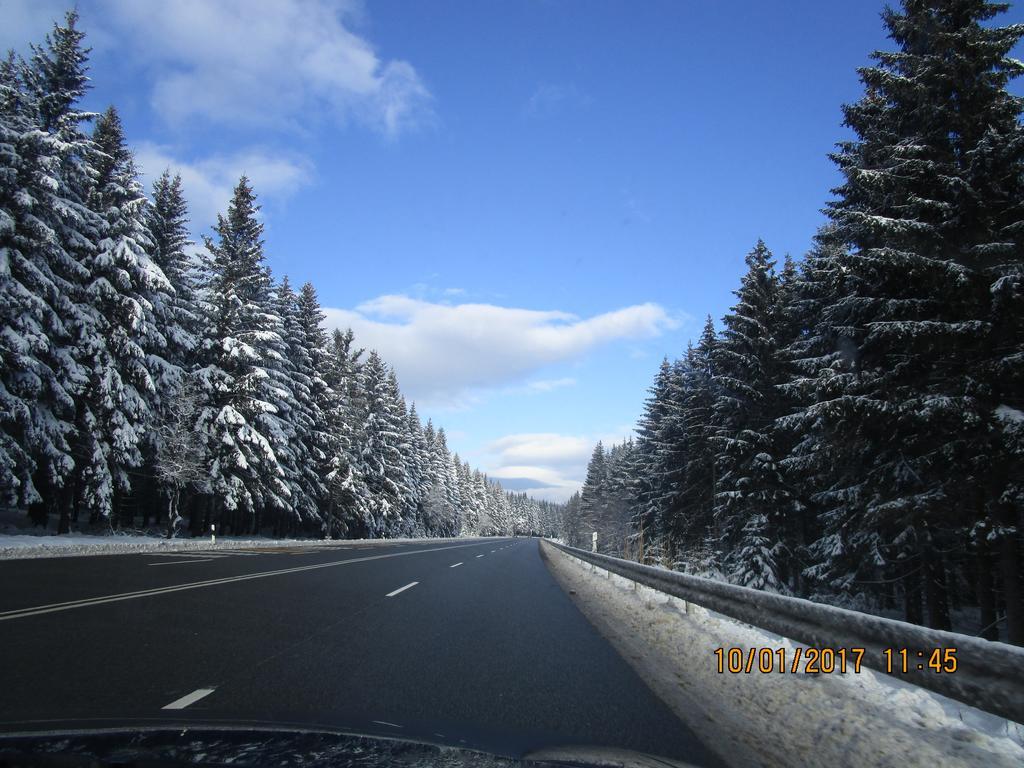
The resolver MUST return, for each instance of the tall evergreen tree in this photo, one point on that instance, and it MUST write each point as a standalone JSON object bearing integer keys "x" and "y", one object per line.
{"x": 752, "y": 502}
{"x": 181, "y": 315}
{"x": 699, "y": 481}
{"x": 650, "y": 485}
{"x": 238, "y": 347}
{"x": 930, "y": 212}
{"x": 380, "y": 458}
{"x": 47, "y": 232}
{"x": 124, "y": 354}
{"x": 347, "y": 496}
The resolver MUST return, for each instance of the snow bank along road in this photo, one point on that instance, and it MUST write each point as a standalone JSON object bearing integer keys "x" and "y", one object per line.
{"x": 468, "y": 643}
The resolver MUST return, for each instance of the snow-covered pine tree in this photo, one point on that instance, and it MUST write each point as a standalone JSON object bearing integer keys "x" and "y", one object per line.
{"x": 404, "y": 470}
{"x": 571, "y": 530}
{"x": 310, "y": 335}
{"x": 696, "y": 540}
{"x": 47, "y": 232}
{"x": 297, "y": 411}
{"x": 499, "y": 510}
{"x": 36, "y": 409}
{"x": 343, "y": 407}
{"x": 417, "y": 462}
{"x": 442, "y": 459}
{"x": 820, "y": 463}
{"x": 127, "y": 374}
{"x": 930, "y": 209}
{"x": 752, "y": 503}
{"x": 593, "y": 501}
{"x": 239, "y": 345}
{"x": 468, "y": 511}
{"x": 649, "y": 483}
{"x": 614, "y": 527}
{"x": 180, "y": 317}
{"x": 380, "y": 461}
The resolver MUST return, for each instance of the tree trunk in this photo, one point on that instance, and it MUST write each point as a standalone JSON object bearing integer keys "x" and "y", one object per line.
{"x": 207, "y": 504}
{"x": 986, "y": 596}
{"x": 1009, "y": 566}
{"x": 935, "y": 596}
{"x": 173, "y": 500}
{"x": 912, "y": 594}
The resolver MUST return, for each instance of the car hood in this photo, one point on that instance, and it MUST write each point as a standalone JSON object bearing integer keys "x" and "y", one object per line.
{"x": 279, "y": 746}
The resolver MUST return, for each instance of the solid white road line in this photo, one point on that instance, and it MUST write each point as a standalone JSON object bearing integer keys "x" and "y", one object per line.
{"x": 185, "y": 554}
{"x": 20, "y": 613}
{"x": 402, "y": 589}
{"x": 183, "y": 562}
{"x": 456, "y": 565}
{"x": 192, "y": 698}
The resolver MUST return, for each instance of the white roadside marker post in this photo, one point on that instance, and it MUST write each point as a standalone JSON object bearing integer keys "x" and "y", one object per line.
{"x": 213, "y": 533}
{"x": 593, "y": 541}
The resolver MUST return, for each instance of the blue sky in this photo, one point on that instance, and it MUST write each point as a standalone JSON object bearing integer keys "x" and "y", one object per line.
{"x": 523, "y": 205}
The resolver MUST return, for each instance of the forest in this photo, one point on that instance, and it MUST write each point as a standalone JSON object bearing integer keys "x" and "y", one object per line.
{"x": 146, "y": 382}
{"x": 853, "y": 430}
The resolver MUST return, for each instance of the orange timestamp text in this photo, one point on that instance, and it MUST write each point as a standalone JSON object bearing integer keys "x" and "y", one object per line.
{"x": 829, "y": 660}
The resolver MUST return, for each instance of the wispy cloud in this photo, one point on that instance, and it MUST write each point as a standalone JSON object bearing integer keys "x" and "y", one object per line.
{"x": 444, "y": 353}
{"x": 278, "y": 63}
{"x": 208, "y": 182}
{"x": 549, "y": 385}
{"x": 28, "y": 21}
{"x": 550, "y": 98}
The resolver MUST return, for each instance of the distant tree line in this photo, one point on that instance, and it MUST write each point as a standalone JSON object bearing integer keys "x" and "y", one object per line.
{"x": 854, "y": 433}
{"x": 145, "y": 381}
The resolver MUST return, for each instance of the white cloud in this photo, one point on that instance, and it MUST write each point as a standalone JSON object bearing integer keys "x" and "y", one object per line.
{"x": 556, "y": 462}
{"x": 547, "y": 448}
{"x": 548, "y": 385}
{"x": 283, "y": 63}
{"x": 444, "y": 353}
{"x": 28, "y": 21}
{"x": 208, "y": 182}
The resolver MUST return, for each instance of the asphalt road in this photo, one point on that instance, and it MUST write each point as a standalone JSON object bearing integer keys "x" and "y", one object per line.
{"x": 488, "y": 654}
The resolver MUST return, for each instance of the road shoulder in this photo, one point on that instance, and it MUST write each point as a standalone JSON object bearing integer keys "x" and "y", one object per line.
{"x": 771, "y": 719}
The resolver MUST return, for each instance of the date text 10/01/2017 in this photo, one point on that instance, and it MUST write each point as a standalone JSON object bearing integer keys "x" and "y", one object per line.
{"x": 828, "y": 660}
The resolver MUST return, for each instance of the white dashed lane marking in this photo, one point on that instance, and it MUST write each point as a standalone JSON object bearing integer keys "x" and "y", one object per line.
{"x": 410, "y": 585}
{"x": 183, "y": 562}
{"x": 191, "y": 698}
{"x": 455, "y": 565}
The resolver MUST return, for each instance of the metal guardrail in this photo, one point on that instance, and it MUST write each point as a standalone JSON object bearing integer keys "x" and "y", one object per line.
{"x": 989, "y": 675}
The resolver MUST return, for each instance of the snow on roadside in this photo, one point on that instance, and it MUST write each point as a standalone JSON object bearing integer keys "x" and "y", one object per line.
{"x": 774, "y": 719}
{"x": 20, "y": 547}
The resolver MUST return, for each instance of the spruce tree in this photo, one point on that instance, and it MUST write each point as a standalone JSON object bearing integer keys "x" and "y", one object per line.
{"x": 699, "y": 481}
{"x": 181, "y": 315}
{"x": 930, "y": 212}
{"x": 238, "y": 346}
{"x": 751, "y": 502}
{"x": 47, "y": 232}
{"x": 343, "y": 406}
{"x": 126, "y": 371}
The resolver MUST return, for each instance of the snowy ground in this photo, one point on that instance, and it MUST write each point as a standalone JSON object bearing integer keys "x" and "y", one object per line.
{"x": 826, "y": 720}
{"x": 28, "y": 546}
{"x": 20, "y": 539}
